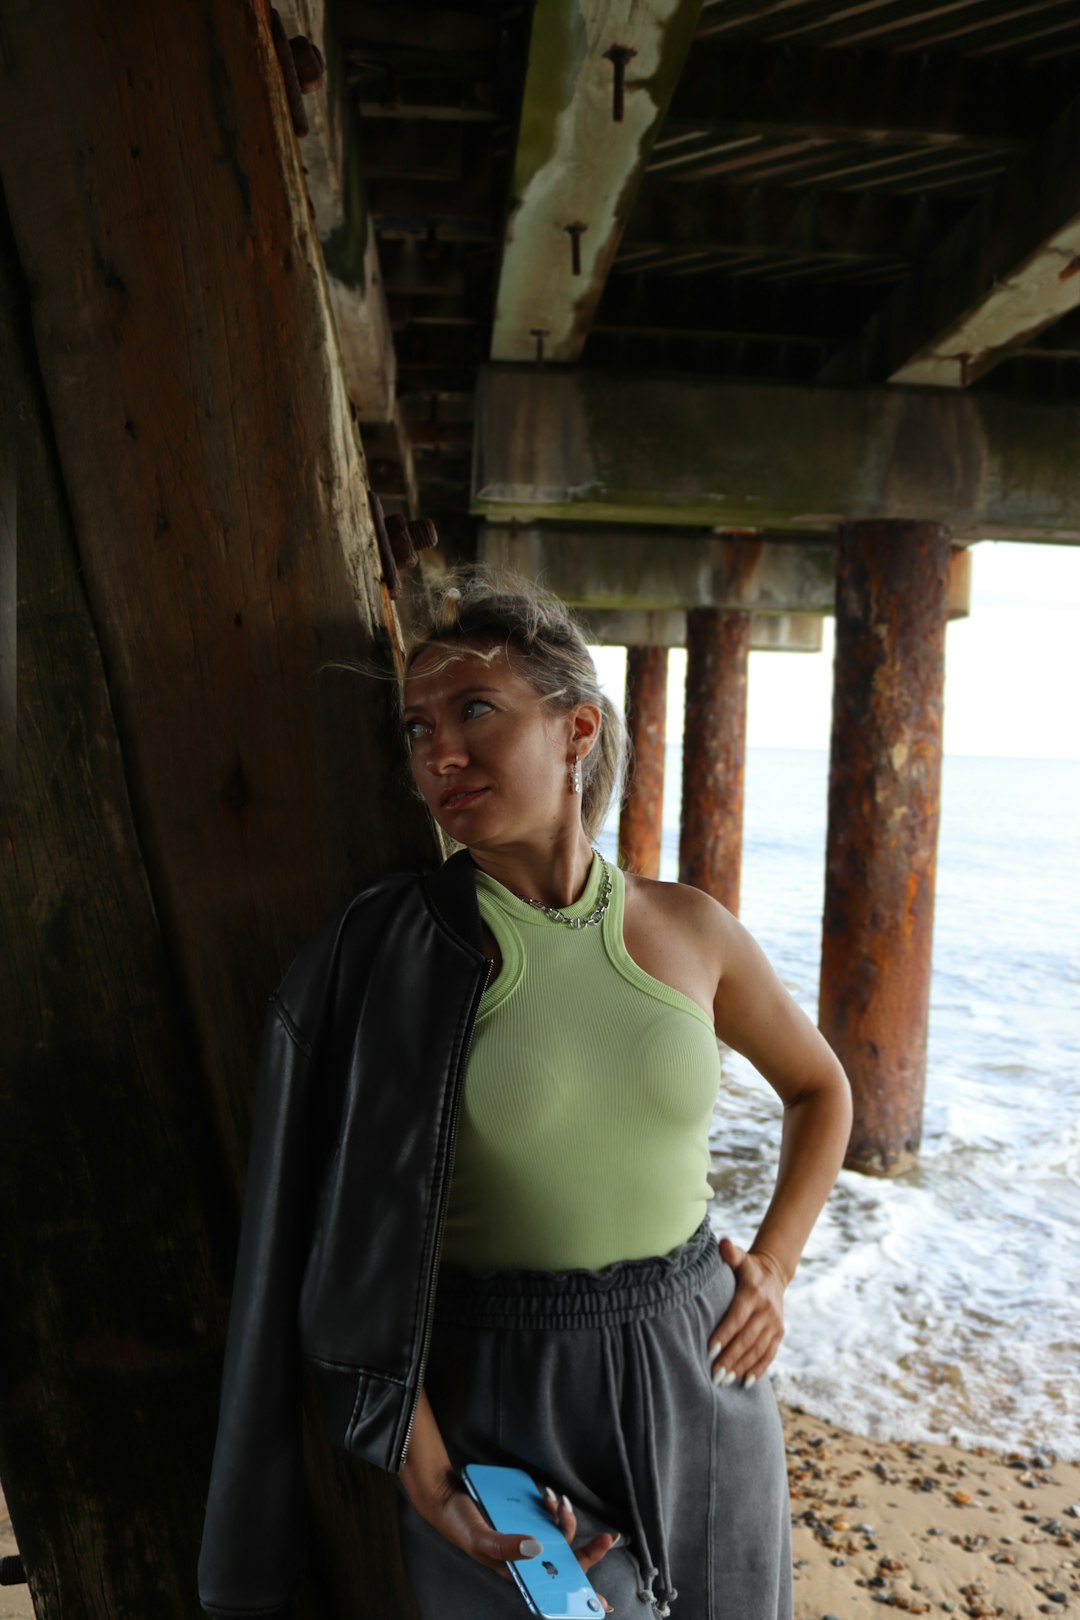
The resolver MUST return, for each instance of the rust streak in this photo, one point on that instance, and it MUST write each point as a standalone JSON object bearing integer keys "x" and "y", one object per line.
{"x": 884, "y": 797}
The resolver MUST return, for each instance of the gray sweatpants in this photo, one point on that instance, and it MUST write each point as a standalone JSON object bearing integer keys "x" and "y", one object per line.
{"x": 597, "y": 1383}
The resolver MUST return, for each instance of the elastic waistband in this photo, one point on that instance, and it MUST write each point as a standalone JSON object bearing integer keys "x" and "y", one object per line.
{"x": 625, "y": 1291}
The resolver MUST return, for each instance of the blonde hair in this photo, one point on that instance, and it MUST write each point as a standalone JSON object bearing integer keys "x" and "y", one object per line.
{"x": 479, "y": 609}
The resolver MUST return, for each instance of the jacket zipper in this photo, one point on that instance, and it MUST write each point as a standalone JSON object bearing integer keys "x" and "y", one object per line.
{"x": 434, "y": 1272}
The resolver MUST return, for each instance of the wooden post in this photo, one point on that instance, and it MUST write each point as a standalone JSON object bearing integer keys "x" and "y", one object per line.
{"x": 714, "y": 752}
{"x": 178, "y": 833}
{"x": 116, "y": 1250}
{"x": 641, "y": 825}
{"x": 892, "y": 593}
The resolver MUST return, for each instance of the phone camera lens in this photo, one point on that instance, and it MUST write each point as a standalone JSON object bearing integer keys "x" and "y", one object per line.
{"x": 594, "y": 1605}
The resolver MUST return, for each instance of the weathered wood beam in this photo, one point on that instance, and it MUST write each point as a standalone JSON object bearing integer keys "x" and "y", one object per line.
{"x": 1006, "y": 272}
{"x": 426, "y": 209}
{"x": 220, "y": 506}
{"x": 113, "y": 1186}
{"x": 388, "y": 450}
{"x": 862, "y": 97}
{"x": 643, "y": 569}
{"x": 443, "y": 33}
{"x": 666, "y": 627}
{"x": 722, "y": 303}
{"x": 847, "y": 226}
{"x": 582, "y": 147}
{"x": 417, "y": 151}
{"x": 591, "y": 446}
{"x": 336, "y": 186}
{"x": 436, "y": 109}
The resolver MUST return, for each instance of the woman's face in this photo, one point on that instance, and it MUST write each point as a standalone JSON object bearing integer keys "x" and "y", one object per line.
{"x": 489, "y": 755}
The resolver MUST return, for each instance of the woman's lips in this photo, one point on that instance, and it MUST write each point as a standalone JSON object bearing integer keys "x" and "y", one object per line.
{"x": 460, "y": 801}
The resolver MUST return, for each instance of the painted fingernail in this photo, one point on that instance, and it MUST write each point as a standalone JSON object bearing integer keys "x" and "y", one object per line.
{"x": 530, "y": 1547}
{"x": 566, "y": 1504}
{"x": 719, "y": 1374}
{"x": 749, "y": 1381}
{"x": 616, "y": 1537}
{"x": 714, "y": 1351}
{"x": 550, "y": 1494}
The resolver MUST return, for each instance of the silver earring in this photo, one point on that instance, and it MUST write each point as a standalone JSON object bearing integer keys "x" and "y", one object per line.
{"x": 575, "y": 776}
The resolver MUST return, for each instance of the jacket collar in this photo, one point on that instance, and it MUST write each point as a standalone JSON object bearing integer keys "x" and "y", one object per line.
{"x": 451, "y": 890}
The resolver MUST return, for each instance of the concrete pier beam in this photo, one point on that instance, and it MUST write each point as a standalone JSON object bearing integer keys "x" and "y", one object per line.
{"x": 892, "y": 597}
{"x": 714, "y": 752}
{"x": 666, "y": 627}
{"x": 641, "y": 821}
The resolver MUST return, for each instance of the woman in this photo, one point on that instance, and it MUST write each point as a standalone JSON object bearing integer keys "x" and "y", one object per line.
{"x": 475, "y": 1207}
{"x": 586, "y": 1326}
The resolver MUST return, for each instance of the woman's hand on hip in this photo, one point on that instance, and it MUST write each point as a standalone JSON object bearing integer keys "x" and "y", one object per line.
{"x": 746, "y": 1339}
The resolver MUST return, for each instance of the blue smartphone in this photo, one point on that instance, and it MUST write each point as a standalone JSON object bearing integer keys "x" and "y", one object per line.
{"x": 554, "y": 1585}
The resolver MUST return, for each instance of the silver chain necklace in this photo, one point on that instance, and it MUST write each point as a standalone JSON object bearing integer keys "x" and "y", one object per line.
{"x": 594, "y": 916}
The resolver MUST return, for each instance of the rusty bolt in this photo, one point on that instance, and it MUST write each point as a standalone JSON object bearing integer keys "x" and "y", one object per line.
{"x": 423, "y": 534}
{"x": 618, "y": 56}
{"x": 574, "y": 232}
{"x": 308, "y": 62}
{"x": 386, "y": 555}
{"x": 293, "y": 94}
{"x": 397, "y": 532}
{"x": 539, "y": 333}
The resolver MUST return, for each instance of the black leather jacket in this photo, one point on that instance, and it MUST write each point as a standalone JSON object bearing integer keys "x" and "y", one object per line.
{"x": 359, "y": 1079}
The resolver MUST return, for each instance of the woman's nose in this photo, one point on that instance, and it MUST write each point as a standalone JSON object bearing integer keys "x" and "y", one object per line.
{"x": 445, "y": 750}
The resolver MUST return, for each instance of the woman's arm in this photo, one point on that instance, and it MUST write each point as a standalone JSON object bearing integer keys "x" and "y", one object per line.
{"x": 756, "y": 1016}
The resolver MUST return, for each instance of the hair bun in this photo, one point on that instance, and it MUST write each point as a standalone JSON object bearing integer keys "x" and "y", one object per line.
{"x": 448, "y": 612}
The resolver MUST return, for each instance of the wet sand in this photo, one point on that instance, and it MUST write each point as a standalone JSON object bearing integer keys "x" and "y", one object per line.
{"x": 926, "y": 1529}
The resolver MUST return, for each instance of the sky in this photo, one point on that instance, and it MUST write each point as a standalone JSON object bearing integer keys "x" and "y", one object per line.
{"x": 1012, "y": 668}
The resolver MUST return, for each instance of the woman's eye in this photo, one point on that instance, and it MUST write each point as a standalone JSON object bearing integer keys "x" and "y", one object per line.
{"x": 471, "y": 704}
{"x": 412, "y": 730}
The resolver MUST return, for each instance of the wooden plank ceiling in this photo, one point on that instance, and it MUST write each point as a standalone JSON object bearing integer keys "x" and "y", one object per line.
{"x": 818, "y": 166}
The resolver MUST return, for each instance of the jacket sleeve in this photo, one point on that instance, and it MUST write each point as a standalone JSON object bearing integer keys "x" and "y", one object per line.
{"x": 254, "y": 1533}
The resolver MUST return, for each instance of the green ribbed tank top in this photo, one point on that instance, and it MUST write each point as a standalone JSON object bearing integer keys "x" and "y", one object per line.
{"x": 584, "y": 1122}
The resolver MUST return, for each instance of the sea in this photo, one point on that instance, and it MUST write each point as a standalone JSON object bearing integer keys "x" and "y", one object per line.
{"x": 941, "y": 1304}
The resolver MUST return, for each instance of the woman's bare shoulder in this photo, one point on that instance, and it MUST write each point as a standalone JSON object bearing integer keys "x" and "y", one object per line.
{"x": 673, "y": 899}
{"x": 679, "y": 908}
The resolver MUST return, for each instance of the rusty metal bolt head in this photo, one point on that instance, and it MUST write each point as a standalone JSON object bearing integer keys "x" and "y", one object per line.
{"x": 293, "y": 93}
{"x": 397, "y": 530}
{"x": 386, "y": 555}
{"x": 423, "y": 534}
{"x": 308, "y": 61}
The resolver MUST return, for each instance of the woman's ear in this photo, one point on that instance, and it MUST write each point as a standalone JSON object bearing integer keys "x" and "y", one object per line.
{"x": 585, "y": 728}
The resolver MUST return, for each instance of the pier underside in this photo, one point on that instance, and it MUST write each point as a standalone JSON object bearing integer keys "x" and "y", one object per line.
{"x": 723, "y": 317}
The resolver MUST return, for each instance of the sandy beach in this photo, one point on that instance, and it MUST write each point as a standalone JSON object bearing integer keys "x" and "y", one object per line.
{"x": 927, "y": 1529}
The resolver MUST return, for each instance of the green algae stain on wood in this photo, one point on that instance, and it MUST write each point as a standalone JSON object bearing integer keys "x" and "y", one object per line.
{"x": 557, "y": 48}
{"x": 574, "y": 163}
{"x": 344, "y": 250}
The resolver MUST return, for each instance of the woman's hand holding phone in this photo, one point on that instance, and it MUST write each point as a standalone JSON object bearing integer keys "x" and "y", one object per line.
{"x": 566, "y": 1519}
{"x": 438, "y": 1495}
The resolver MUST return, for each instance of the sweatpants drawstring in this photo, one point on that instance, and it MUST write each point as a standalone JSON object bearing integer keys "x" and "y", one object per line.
{"x": 638, "y": 1378}
{"x": 670, "y": 1593}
